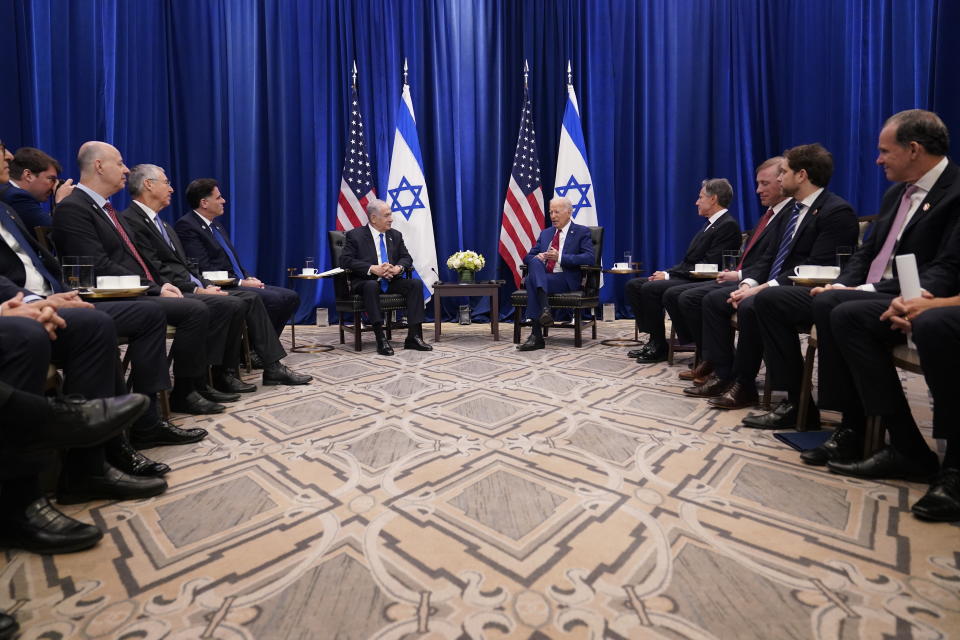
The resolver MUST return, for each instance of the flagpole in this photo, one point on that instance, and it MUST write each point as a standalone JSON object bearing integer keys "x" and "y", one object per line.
{"x": 526, "y": 73}
{"x": 405, "y": 71}
{"x": 569, "y": 74}
{"x": 354, "y": 81}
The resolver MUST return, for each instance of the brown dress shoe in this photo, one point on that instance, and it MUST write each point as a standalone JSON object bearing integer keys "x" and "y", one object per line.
{"x": 711, "y": 387}
{"x": 699, "y": 373}
{"x": 738, "y": 396}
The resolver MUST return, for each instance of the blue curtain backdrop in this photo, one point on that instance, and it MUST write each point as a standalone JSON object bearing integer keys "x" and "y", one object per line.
{"x": 253, "y": 92}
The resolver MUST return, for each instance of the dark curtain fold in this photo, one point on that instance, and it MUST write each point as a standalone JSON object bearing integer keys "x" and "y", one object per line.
{"x": 253, "y": 93}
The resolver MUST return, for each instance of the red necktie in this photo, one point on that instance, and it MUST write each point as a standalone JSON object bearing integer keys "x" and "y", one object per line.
{"x": 554, "y": 244}
{"x": 126, "y": 239}
{"x": 761, "y": 225}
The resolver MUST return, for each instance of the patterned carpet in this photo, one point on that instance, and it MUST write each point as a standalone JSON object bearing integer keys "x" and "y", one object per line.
{"x": 479, "y": 492}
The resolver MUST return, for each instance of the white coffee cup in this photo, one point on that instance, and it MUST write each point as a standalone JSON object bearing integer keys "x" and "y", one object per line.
{"x": 216, "y": 275}
{"x": 828, "y": 272}
{"x": 309, "y": 271}
{"x": 706, "y": 268}
{"x": 118, "y": 282}
{"x": 807, "y": 271}
{"x": 620, "y": 266}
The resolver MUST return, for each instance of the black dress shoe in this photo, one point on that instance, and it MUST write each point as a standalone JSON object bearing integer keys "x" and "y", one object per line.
{"x": 276, "y": 373}
{"x": 652, "y": 354}
{"x": 8, "y": 626}
{"x": 195, "y": 404}
{"x": 384, "y": 347}
{"x": 256, "y": 362}
{"x": 416, "y": 343}
{"x": 712, "y": 388}
{"x": 76, "y": 422}
{"x": 213, "y": 395}
{"x": 532, "y": 343}
{"x": 41, "y": 528}
{"x": 164, "y": 433}
{"x": 546, "y": 318}
{"x": 111, "y": 484}
{"x": 122, "y": 455}
{"x": 783, "y": 416}
{"x": 229, "y": 383}
{"x": 634, "y": 353}
{"x": 737, "y": 396}
{"x": 889, "y": 464}
{"x": 844, "y": 444}
{"x": 942, "y": 501}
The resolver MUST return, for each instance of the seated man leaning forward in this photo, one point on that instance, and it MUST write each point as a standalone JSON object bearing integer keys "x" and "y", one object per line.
{"x": 553, "y": 266}
{"x": 376, "y": 257}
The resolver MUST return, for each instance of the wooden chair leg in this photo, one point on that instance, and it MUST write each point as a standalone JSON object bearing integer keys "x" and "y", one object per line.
{"x": 767, "y": 393}
{"x": 342, "y": 337}
{"x": 517, "y": 315}
{"x": 670, "y": 343}
{"x": 247, "y": 359}
{"x": 357, "y": 328}
{"x": 806, "y": 386}
{"x": 389, "y": 324}
{"x": 163, "y": 397}
{"x": 874, "y": 439}
{"x": 593, "y": 325}
{"x": 577, "y": 328}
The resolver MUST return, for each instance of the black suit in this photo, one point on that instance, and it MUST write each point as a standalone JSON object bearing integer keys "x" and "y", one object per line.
{"x": 143, "y": 325}
{"x": 82, "y": 228}
{"x": 707, "y": 246}
{"x": 169, "y": 260}
{"x": 927, "y": 235}
{"x": 200, "y": 244}
{"x": 829, "y": 222}
{"x": 26, "y": 206}
{"x": 360, "y": 253}
{"x": 684, "y": 303}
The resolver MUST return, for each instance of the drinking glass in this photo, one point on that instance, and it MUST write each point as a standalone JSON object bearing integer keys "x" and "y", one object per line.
{"x": 77, "y": 272}
{"x": 308, "y": 264}
{"x": 843, "y": 254}
{"x": 731, "y": 258}
{"x": 628, "y": 258}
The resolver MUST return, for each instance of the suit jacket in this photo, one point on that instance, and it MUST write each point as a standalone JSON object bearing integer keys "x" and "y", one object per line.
{"x": 202, "y": 246}
{"x": 26, "y": 206}
{"x": 169, "y": 262}
{"x": 10, "y": 264}
{"x": 359, "y": 253}
{"x": 81, "y": 228}
{"x": 578, "y": 251}
{"x": 927, "y": 234}
{"x": 708, "y": 245}
{"x": 829, "y": 223}
{"x": 758, "y": 262}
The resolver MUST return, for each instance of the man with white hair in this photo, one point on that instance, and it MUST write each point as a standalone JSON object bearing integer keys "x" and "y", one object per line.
{"x": 553, "y": 266}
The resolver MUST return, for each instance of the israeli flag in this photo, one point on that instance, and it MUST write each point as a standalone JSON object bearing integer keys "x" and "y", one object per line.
{"x": 573, "y": 174}
{"x": 407, "y": 196}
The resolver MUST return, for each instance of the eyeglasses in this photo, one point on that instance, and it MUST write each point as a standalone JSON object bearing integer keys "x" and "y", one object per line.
{"x": 166, "y": 182}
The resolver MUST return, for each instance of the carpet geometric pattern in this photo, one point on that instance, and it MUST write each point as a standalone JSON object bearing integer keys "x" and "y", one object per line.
{"x": 478, "y": 492}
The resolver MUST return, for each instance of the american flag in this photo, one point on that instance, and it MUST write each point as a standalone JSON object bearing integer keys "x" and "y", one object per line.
{"x": 356, "y": 183}
{"x": 523, "y": 206}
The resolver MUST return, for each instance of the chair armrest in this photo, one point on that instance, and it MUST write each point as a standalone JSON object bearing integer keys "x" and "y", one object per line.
{"x": 590, "y": 267}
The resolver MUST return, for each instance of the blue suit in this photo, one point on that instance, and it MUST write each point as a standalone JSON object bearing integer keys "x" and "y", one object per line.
{"x": 578, "y": 251}
{"x": 27, "y": 207}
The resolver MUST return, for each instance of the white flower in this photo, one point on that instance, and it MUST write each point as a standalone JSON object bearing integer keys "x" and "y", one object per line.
{"x": 470, "y": 260}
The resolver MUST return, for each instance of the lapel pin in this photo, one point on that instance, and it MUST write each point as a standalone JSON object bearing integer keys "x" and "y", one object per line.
{"x": 815, "y": 212}
{"x": 926, "y": 207}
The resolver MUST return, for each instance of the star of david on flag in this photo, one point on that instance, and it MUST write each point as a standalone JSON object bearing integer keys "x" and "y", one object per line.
{"x": 407, "y": 196}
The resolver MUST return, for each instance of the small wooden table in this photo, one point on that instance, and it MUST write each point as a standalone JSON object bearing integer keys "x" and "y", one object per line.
{"x": 455, "y": 289}
{"x": 307, "y": 348}
{"x": 634, "y": 270}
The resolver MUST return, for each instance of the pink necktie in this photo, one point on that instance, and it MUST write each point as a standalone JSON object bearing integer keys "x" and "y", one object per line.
{"x": 879, "y": 264}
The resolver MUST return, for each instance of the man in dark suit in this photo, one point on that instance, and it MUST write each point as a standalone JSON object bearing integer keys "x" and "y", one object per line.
{"x": 553, "y": 266}
{"x": 161, "y": 247}
{"x": 206, "y": 241}
{"x": 376, "y": 257}
{"x": 721, "y": 232}
{"x": 684, "y": 302}
{"x": 811, "y": 229}
{"x": 86, "y": 224}
{"x": 920, "y": 223}
{"x": 912, "y": 149}
{"x": 33, "y": 179}
{"x": 83, "y": 341}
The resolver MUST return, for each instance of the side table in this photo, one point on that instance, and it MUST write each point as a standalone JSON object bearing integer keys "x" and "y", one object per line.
{"x": 454, "y": 289}
{"x": 625, "y": 342}
{"x": 307, "y": 348}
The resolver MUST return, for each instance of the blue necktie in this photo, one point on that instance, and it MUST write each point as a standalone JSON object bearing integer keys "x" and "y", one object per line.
{"x": 226, "y": 248}
{"x": 786, "y": 241}
{"x": 166, "y": 238}
{"x": 383, "y": 258}
{"x": 25, "y": 246}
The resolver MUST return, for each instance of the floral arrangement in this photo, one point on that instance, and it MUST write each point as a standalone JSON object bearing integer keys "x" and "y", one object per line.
{"x": 469, "y": 260}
